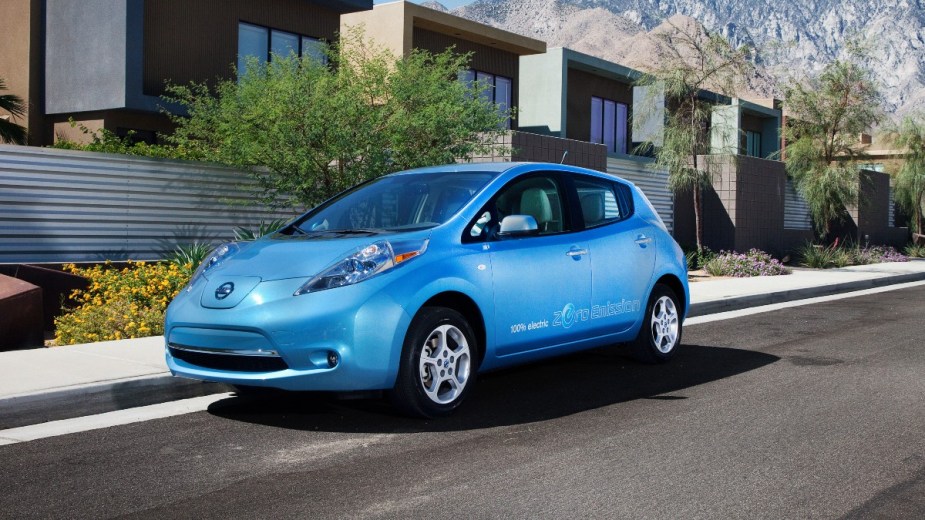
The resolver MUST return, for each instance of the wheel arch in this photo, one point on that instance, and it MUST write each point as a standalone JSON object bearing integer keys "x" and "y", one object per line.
{"x": 674, "y": 283}
{"x": 466, "y": 306}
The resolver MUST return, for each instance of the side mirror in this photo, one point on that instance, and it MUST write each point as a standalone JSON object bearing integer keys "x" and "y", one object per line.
{"x": 518, "y": 226}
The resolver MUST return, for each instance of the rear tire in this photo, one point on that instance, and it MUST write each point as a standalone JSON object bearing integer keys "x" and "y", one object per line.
{"x": 660, "y": 334}
{"x": 437, "y": 366}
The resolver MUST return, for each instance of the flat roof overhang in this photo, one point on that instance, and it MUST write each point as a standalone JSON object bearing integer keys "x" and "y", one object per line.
{"x": 458, "y": 27}
{"x": 345, "y": 6}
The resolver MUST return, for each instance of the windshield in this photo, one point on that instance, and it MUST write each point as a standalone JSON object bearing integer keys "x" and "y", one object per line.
{"x": 395, "y": 203}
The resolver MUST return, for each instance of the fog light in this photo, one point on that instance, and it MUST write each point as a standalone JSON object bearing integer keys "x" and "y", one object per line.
{"x": 332, "y": 359}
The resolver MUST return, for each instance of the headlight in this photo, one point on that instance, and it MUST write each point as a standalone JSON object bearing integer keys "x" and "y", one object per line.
{"x": 363, "y": 264}
{"x": 213, "y": 259}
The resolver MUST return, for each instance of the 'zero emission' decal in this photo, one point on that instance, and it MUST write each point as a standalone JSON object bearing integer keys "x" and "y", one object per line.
{"x": 569, "y": 315}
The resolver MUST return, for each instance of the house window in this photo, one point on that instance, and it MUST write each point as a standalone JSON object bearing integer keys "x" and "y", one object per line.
{"x": 263, "y": 42}
{"x": 753, "y": 144}
{"x": 498, "y": 90}
{"x": 609, "y": 121}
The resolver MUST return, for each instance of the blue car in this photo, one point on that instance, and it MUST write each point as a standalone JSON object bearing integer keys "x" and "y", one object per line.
{"x": 415, "y": 282}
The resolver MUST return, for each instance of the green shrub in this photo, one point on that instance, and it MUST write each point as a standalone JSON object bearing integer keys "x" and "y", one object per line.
{"x": 119, "y": 303}
{"x": 188, "y": 256}
{"x": 246, "y": 234}
{"x": 698, "y": 259}
{"x": 835, "y": 255}
{"x": 915, "y": 251}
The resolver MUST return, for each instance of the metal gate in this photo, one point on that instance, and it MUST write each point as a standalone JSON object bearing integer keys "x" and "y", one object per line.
{"x": 652, "y": 182}
{"x": 796, "y": 210}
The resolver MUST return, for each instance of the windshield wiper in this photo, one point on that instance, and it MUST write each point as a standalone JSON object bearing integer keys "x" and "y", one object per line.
{"x": 344, "y": 232}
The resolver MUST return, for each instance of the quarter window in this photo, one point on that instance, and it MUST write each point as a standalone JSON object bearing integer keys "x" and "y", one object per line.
{"x": 601, "y": 201}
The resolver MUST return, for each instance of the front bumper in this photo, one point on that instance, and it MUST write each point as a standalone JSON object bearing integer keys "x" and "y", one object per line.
{"x": 343, "y": 339}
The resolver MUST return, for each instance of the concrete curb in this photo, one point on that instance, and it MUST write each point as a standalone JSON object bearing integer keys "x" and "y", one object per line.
{"x": 93, "y": 398}
{"x": 757, "y": 300}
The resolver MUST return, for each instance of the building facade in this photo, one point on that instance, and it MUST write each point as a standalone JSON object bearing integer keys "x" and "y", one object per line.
{"x": 106, "y": 63}
{"x": 495, "y": 55}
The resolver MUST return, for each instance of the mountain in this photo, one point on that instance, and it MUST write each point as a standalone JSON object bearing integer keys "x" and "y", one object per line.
{"x": 792, "y": 38}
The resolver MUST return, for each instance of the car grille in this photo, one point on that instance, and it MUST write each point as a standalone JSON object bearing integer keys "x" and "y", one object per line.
{"x": 229, "y": 361}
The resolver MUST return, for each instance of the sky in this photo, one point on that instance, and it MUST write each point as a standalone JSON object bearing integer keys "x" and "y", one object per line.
{"x": 450, "y": 4}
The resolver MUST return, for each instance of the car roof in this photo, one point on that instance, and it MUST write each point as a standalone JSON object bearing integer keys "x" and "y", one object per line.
{"x": 500, "y": 167}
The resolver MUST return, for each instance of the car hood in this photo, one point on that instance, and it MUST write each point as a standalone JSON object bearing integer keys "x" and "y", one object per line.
{"x": 289, "y": 257}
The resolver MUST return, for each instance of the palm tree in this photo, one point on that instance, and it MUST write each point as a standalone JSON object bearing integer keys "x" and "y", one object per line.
{"x": 10, "y": 132}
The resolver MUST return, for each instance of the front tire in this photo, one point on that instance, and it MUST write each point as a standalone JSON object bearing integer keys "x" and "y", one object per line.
{"x": 438, "y": 364}
{"x": 660, "y": 334}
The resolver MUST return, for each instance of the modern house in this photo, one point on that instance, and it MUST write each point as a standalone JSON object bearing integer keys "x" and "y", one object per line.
{"x": 105, "y": 63}
{"x": 495, "y": 54}
{"x": 743, "y": 127}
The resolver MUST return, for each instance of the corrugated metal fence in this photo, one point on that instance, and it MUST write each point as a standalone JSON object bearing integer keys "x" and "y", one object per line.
{"x": 70, "y": 206}
{"x": 652, "y": 182}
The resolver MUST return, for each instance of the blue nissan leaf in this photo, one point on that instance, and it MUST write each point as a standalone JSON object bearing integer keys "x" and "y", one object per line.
{"x": 415, "y": 282}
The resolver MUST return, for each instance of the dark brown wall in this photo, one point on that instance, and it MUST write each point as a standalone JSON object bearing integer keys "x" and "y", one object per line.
{"x": 873, "y": 212}
{"x": 524, "y": 146}
{"x": 743, "y": 209}
{"x": 484, "y": 58}
{"x": 581, "y": 86}
{"x": 198, "y": 41}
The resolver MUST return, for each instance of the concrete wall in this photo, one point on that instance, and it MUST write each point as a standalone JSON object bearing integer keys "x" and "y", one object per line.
{"x": 86, "y": 53}
{"x": 542, "y": 93}
{"x": 649, "y": 114}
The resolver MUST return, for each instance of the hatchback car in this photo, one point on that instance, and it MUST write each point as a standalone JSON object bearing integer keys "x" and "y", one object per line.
{"x": 416, "y": 281}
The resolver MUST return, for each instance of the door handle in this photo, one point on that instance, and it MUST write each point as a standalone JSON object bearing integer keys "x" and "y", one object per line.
{"x": 576, "y": 252}
{"x": 643, "y": 240}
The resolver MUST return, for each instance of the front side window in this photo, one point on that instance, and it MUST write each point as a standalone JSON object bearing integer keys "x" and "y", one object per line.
{"x": 609, "y": 121}
{"x": 263, "y": 43}
{"x": 538, "y": 196}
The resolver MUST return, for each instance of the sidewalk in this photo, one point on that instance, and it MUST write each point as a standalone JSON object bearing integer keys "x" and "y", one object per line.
{"x": 28, "y": 375}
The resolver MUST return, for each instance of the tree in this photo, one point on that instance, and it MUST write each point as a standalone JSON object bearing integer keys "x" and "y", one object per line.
{"x": 310, "y": 129}
{"x": 695, "y": 60}
{"x": 910, "y": 179}
{"x": 10, "y": 132}
{"x": 827, "y": 113}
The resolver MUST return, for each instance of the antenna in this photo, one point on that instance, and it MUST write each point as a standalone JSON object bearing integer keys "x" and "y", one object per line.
{"x": 564, "y": 154}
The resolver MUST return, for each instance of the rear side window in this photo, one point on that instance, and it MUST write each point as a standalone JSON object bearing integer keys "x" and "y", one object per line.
{"x": 601, "y": 201}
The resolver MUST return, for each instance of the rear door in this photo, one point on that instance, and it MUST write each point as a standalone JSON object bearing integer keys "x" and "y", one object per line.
{"x": 622, "y": 251}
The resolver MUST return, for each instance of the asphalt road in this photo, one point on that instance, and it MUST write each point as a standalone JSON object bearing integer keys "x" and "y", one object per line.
{"x": 809, "y": 412}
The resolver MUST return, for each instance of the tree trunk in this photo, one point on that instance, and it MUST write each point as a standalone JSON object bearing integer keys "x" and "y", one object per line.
{"x": 918, "y": 215}
{"x": 698, "y": 217}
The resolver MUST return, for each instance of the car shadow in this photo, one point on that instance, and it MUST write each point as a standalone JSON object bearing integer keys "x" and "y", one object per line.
{"x": 536, "y": 392}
